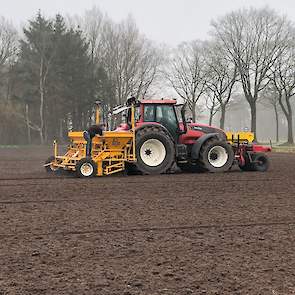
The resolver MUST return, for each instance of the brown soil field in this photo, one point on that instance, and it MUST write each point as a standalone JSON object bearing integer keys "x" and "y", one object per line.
{"x": 176, "y": 234}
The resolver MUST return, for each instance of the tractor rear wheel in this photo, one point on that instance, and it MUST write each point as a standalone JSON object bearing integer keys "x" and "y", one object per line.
{"x": 155, "y": 150}
{"x": 86, "y": 168}
{"x": 260, "y": 162}
{"x": 216, "y": 155}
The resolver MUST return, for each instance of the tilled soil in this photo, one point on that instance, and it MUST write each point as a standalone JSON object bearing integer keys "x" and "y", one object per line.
{"x": 231, "y": 233}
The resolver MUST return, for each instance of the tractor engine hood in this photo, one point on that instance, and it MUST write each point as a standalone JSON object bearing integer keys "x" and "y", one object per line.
{"x": 196, "y": 130}
{"x": 204, "y": 128}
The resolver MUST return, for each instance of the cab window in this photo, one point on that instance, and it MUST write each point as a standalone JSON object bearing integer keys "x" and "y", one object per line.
{"x": 149, "y": 113}
{"x": 137, "y": 114}
{"x": 166, "y": 115}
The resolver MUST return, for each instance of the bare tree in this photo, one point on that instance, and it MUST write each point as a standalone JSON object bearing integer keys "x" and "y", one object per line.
{"x": 212, "y": 104}
{"x": 186, "y": 73}
{"x": 8, "y": 41}
{"x": 148, "y": 69}
{"x": 223, "y": 75}
{"x": 131, "y": 61}
{"x": 270, "y": 99}
{"x": 283, "y": 79}
{"x": 92, "y": 24}
{"x": 8, "y": 50}
{"x": 254, "y": 39}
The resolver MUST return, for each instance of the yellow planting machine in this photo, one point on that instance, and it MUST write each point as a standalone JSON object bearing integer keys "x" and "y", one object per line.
{"x": 110, "y": 152}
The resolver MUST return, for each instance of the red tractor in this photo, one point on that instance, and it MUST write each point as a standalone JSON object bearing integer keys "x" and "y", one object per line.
{"x": 165, "y": 137}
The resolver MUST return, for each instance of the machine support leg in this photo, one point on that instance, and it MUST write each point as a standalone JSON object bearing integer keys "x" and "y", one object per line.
{"x": 133, "y": 132}
{"x": 55, "y": 148}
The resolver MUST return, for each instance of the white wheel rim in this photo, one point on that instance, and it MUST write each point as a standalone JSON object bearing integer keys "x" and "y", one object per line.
{"x": 86, "y": 169}
{"x": 153, "y": 152}
{"x": 217, "y": 156}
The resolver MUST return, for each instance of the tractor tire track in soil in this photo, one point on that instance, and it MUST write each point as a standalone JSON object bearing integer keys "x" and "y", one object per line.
{"x": 290, "y": 223}
{"x": 231, "y": 233}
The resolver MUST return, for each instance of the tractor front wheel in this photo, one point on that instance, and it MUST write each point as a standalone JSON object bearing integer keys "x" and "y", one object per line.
{"x": 216, "y": 155}
{"x": 154, "y": 151}
{"x": 86, "y": 168}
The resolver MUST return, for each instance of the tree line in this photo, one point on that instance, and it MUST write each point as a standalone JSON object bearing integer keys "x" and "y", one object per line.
{"x": 53, "y": 71}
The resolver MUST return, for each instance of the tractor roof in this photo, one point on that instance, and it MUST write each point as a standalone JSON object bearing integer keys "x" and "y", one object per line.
{"x": 158, "y": 101}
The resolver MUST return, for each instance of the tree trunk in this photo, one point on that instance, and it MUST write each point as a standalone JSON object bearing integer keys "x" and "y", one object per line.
{"x": 288, "y": 114}
{"x": 290, "y": 129}
{"x": 277, "y": 123}
{"x": 41, "y": 111}
{"x": 28, "y": 125}
{"x": 41, "y": 119}
{"x": 211, "y": 116}
{"x": 222, "y": 116}
{"x": 253, "y": 119}
{"x": 194, "y": 115}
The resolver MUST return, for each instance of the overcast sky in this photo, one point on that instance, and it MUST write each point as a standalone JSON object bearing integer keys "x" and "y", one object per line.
{"x": 167, "y": 21}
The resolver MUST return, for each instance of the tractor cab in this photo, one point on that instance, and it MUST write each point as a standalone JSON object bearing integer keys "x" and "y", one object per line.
{"x": 172, "y": 116}
{"x": 161, "y": 112}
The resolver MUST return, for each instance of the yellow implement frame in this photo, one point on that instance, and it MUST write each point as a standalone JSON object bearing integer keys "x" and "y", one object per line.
{"x": 110, "y": 151}
{"x": 241, "y": 136}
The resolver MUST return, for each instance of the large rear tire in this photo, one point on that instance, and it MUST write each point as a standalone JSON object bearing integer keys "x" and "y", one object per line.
{"x": 155, "y": 150}
{"x": 216, "y": 155}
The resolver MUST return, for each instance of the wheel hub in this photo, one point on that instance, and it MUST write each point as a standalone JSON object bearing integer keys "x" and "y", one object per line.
{"x": 86, "y": 169}
{"x": 217, "y": 156}
{"x": 153, "y": 152}
{"x": 148, "y": 152}
{"x": 213, "y": 156}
